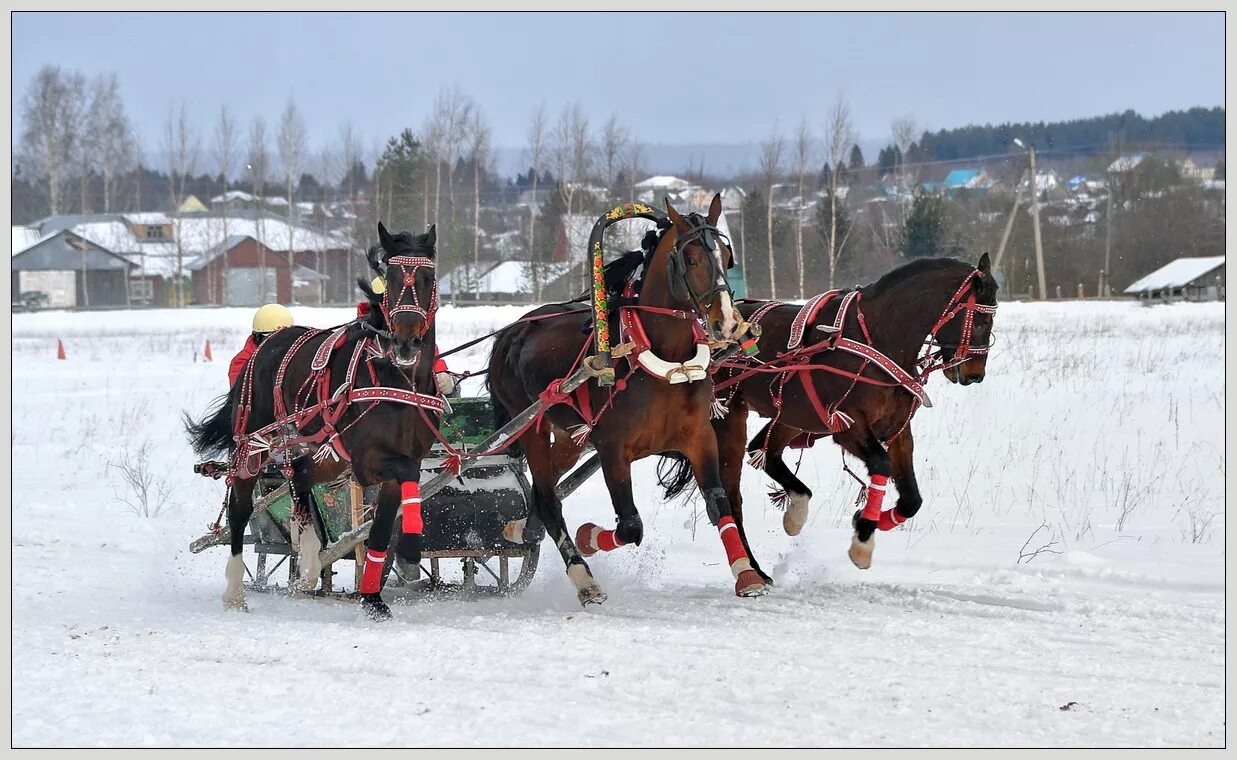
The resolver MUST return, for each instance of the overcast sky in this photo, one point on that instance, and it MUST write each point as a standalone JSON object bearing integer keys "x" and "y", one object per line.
{"x": 674, "y": 78}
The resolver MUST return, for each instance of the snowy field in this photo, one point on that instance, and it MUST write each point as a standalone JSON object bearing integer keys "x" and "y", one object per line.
{"x": 1063, "y": 584}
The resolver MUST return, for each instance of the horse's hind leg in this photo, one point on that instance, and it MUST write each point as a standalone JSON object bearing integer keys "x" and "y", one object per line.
{"x": 304, "y": 522}
{"x": 772, "y": 442}
{"x": 629, "y": 529}
{"x": 731, "y": 431}
{"x": 863, "y": 444}
{"x": 240, "y": 507}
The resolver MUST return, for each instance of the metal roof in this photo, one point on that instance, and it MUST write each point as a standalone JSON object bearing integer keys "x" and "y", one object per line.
{"x": 65, "y": 251}
{"x": 1176, "y": 274}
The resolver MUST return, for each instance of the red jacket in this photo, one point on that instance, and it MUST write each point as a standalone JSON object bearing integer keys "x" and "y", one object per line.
{"x": 362, "y": 311}
{"x": 238, "y": 362}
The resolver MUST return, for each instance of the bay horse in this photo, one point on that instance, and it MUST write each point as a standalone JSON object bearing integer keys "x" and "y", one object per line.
{"x": 845, "y": 394}
{"x": 661, "y": 402}
{"x": 324, "y": 383}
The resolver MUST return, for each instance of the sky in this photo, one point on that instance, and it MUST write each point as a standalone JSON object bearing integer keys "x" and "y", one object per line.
{"x": 673, "y": 78}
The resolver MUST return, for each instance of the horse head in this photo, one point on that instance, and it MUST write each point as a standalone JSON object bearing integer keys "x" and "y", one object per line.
{"x": 698, "y": 256}
{"x": 968, "y": 331}
{"x": 408, "y": 305}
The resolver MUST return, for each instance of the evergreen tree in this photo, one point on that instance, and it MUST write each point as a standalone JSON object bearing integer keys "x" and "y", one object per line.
{"x": 925, "y": 232}
{"x": 856, "y": 158}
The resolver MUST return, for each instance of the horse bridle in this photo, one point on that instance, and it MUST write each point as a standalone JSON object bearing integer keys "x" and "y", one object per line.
{"x": 409, "y": 265}
{"x": 680, "y": 285}
{"x": 964, "y": 301}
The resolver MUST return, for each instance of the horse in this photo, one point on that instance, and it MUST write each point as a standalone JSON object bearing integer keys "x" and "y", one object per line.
{"x": 662, "y": 403}
{"x": 384, "y": 361}
{"x": 812, "y": 388}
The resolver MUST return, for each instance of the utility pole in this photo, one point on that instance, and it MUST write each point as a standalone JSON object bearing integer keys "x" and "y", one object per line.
{"x": 1009, "y": 224}
{"x": 1105, "y": 288}
{"x": 1039, "y": 246}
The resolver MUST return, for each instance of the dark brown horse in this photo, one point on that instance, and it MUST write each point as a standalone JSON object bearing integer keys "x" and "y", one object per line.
{"x": 948, "y": 302}
{"x": 662, "y": 405}
{"x": 391, "y": 350}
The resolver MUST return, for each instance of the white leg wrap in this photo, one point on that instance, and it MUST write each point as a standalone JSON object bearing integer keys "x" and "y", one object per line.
{"x": 308, "y": 560}
{"x": 796, "y": 513}
{"x": 580, "y": 576}
{"x": 234, "y": 596}
{"x": 739, "y": 566}
{"x": 514, "y": 531}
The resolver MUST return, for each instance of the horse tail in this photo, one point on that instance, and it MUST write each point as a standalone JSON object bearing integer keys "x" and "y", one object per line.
{"x": 501, "y": 415}
{"x": 674, "y": 473}
{"x": 213, "y": 434}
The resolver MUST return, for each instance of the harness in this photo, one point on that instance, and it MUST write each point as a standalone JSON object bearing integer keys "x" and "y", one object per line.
{"x": 795, "y": 362}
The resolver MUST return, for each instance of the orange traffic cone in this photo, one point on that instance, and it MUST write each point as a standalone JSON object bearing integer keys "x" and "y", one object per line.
{"x": 206, "y": 352}
{"x": 59, "y": 349}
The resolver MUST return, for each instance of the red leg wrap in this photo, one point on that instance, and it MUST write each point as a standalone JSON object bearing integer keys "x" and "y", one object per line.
{"x": 890, "y": 519}
{"x": 371, "y": 579}
{"x": 590, "y": 539}
{"x": 876, "y": 496}
{"x": 410, "y": 501}
{"x": 735, "y": 553}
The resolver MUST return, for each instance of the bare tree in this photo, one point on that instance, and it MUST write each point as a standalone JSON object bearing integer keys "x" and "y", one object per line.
{"x": 349, "y": 154}
{"x": 452, "y": 111}
{"x": 803, "y": 156}
{"x": 53, "y": 111}
{"x": 181, "y": 145}
{"x": 903, "y": 132}
{"x": 109, "y": 137}
{"x": 479, "y": 132}
{"x": 259, "y": 167}
{"x": 572, "y": 153}
{"x": 537, "y": 144}
{"x": 225, "y": 157}
{"x": 770, "y": 169}
{"x": 839, "y": 135}
{"x": 614, "y": 140}
{"x": 292, "y": 144}
{"x": 633, "y": 165}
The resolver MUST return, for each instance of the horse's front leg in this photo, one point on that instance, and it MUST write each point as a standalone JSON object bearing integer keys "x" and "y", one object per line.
{"x": 400, "y": 491}
{"x": 731, "y": 432}
{"x": 702, "y": 452}
{"x": 240, "y": 507}
{"x": 902, "y": 456}
{"x": 590, "y": 537}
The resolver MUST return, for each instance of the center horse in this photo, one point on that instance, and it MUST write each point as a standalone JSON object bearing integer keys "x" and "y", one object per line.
{"x": 660, "y": 403}
{"x": 303, "y": 404}
{"x": 848, "y": 365}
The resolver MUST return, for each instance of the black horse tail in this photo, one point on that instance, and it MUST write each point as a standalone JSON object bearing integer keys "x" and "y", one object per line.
{"x": 213, "y": 435}
{"x": 674, "y": 473}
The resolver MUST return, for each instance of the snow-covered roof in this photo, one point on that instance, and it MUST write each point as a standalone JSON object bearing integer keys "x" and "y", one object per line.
{"x": 148, "y": 217}
{"x": 1176, "y": 274}
{"x": 664, "y": 180}
{"x": 1126, "y": 163}
{"x": 23, "y": 238}
{"x": 233, "y": 195}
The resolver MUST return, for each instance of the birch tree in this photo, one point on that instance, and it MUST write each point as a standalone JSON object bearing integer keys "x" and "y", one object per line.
{"x": 537, "y": 143}
{"x": 226, "y": 151}
{"x": 803, "y": 157}
{"x": 259, "y": 167}
{"x": 479, "y": 132}
{"x": 53, "y": 110}
{"x": 181, "y": 146}
{"x": 903, "y": 132}
{"x": 770, "y": 169}
{"x": 839, "y": 134}
{"x": 292, "y": 144}
{"x": 110, "y": 143}
{"x": 614, "y": 139}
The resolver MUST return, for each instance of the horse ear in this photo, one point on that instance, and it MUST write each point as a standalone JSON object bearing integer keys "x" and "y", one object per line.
{"x": 674, "y": 215}
{"x": 715, "y": 210}
{"x": 431, "y": 237}
{"x": 384, "y": 237}
{"x": 984, "y": 264}
{"x": 374, "y": 256}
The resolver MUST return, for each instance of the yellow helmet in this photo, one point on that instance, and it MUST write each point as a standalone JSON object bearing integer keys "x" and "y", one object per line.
{"x": 379, "y": 286}
{"x": 271, "y": 317}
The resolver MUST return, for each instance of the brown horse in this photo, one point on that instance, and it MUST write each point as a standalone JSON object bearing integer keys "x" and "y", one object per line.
{"x": 663, "y": 404}
{"x": 385, "y": 362}
{"x": 946, "y": 301}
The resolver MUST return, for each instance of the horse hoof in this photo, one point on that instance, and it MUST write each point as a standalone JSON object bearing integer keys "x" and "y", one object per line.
{"x": 591, "y": 595}
{"x": 749, "y": 584}
{"x": 795, "y": 516}
{"x": 235, "y": 605}
{"x": 409, "y": 548}
{"x": 586, "y": 539}
{"x": 374, "y": 608}
{"x": 861, "y": 552}
{"x": 307, "y": 582}
{"x": 514, "y": 531}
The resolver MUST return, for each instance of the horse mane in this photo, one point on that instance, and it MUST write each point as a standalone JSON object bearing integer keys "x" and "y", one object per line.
{"x": 915, "y": 269}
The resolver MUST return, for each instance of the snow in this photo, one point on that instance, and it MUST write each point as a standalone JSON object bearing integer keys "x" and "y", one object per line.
{"x": 960, "y": 635}
{"x": 664, "y": 181}
{"x": 23, "y": 238}
{"x": 1176, "y": 274}
{"x": 508, "y": 277}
